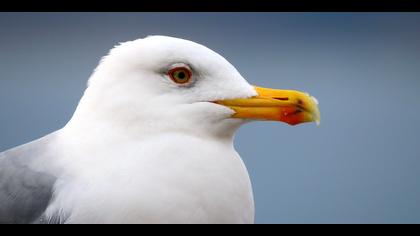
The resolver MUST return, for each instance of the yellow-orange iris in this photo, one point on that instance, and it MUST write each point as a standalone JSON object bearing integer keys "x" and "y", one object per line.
{"x": 180, "y": 75}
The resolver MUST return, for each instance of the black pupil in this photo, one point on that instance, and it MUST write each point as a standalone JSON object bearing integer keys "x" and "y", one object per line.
{"x": 181, "y": 75}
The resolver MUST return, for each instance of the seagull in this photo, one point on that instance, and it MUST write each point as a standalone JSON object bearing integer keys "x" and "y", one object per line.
{"x": 151, "y": 142}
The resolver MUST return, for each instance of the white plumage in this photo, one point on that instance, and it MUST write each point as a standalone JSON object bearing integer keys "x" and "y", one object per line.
{"x": 143, "y": 149}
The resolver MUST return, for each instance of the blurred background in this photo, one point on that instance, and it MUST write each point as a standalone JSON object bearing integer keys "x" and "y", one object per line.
{"x": 362, "y": 165}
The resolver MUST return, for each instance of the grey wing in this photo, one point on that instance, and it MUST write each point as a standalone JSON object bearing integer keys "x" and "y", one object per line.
{"x": 24, "y": 192}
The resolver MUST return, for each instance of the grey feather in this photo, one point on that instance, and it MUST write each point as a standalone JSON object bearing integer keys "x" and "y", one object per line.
{"x": 24, "y": 191}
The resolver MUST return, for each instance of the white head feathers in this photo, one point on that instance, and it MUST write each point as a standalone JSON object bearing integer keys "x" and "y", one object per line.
{"x": 131, "y": 87}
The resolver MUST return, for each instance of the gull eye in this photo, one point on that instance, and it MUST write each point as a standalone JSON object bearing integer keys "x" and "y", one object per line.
{"x": 180, "y": 75}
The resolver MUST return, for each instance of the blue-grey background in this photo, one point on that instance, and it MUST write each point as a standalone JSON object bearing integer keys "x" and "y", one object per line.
{"x": 362, "y": 165}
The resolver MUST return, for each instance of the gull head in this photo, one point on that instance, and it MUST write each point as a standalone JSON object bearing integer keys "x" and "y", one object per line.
{"x": 164, "y": 84}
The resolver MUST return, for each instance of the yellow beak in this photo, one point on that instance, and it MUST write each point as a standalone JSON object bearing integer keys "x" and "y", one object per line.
{"x": 291, "y": 107}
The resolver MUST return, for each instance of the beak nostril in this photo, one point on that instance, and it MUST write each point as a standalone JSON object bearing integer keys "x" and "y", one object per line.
{"x": 282, "y": 99}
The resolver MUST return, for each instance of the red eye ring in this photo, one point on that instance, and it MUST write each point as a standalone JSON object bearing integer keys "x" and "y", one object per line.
{"x": 180, "y": 75}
